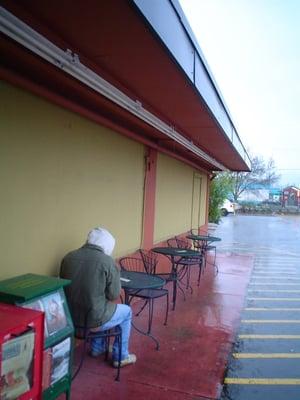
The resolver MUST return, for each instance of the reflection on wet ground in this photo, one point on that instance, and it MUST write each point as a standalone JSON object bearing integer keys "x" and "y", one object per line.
{"x": 265, "y": 361}
{"x": 194, "y": 346}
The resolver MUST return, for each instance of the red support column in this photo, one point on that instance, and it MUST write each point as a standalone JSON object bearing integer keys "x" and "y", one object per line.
{"x": 149, "y": 198}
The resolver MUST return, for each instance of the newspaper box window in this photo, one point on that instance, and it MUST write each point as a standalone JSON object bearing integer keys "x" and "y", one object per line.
{"x": 45, "y": 294}
{"x": 17, "y": 357}
{"x": 21, "y": 347}
{"x": 54, "y": 308}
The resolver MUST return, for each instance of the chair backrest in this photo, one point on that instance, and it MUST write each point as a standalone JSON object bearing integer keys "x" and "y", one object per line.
{"x": 172, "y": 242}
{"x": 197, "y": 231}
{"x": 132, "y": 264}
{"x": 150, "y": 260}
{"x": 204, "y": 232}
{"x": 183, "y": 244}
{"x": 198, "y": 244}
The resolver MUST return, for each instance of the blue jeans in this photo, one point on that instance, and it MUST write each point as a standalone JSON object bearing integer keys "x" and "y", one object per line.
{"x": 122, "y": 317}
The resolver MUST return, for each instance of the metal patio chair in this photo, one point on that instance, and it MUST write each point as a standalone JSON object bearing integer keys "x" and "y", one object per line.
{"x": 183, "y": 265}
{"x": 149, "y": 295}
{"x": 86, "y": 334}
{"x": 150, "y": 260}
{"x": 190, "y": 261}
{"x": 204, "y": 247}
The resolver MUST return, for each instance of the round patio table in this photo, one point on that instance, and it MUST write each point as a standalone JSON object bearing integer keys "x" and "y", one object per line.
{"x": 171, "y": 253}
{"x": 134, "y": 282}
{"x": 204, "y": 238}
{"x": 207, "y": 240}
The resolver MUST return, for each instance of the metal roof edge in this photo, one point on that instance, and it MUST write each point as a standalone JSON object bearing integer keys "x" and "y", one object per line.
{"x": 182, "y": 19}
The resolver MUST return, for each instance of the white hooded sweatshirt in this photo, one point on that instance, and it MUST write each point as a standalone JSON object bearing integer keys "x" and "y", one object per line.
{"x": 102, "y": 238}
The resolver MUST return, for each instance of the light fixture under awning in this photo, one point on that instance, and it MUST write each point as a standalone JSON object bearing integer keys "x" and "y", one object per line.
{"x": 70, "y": 63}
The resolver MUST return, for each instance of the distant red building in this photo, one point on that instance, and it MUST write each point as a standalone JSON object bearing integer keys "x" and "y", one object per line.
{"x": 291, "y": 196}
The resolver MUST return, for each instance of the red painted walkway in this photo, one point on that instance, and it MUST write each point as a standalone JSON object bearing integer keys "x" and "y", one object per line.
{"x": 195, "y": 344}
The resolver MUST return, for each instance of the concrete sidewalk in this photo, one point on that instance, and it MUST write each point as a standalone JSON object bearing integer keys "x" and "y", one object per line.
{"x": 194, "y": 346}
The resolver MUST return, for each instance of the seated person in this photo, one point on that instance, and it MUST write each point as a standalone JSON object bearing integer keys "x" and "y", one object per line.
{"x": 95, "y": 284}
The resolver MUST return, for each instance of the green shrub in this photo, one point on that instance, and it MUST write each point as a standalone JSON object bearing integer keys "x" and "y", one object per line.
{"x": 219, "y": 189}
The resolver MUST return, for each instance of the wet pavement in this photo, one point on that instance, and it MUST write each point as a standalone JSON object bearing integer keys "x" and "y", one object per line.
{"x": 265, "y": 360}
{"x": 242, "y": 323}
{"x": 194, "y": 346}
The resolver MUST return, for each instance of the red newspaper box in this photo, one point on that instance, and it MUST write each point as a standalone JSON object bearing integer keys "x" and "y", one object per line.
{"x": 21, "y": 353}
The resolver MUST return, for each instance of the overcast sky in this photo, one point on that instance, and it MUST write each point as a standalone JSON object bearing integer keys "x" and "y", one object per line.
{"x": 253, "y": 50}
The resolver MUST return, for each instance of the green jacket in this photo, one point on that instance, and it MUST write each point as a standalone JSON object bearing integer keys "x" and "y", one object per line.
{"x": 95, "y": 284}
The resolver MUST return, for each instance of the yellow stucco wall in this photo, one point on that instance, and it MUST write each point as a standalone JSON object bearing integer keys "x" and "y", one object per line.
{"x": 174, "y": 194}
{"x": 62, "y": 175}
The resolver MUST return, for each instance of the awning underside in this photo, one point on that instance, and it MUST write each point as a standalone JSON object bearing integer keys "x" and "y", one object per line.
{"x": 113, "y": 40}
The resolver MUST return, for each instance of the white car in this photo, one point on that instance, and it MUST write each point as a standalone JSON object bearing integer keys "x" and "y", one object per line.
{"x": 227, "y": 207}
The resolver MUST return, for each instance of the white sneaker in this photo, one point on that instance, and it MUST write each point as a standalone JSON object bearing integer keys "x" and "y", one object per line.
{"x": 131, "y": 359}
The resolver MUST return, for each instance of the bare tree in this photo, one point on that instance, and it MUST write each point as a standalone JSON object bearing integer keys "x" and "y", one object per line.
{"x": 262, "y": 172}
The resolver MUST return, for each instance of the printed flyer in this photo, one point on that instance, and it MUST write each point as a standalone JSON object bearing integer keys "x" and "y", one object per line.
{"x": 17, "y": 356}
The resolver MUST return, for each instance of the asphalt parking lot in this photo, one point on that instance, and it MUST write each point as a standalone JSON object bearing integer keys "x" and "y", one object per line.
{"x": 265, "y": 359}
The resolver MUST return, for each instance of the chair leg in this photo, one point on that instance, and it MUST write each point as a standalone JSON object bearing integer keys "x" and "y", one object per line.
{"x": 213, "y": 263}
{"x": 81, "y": 358}
{"x": 176, "y": 284}
{"x": 188, "y": 278}
{"x": 182, "y": 272}
{"x": 200, "y": 272}
{"x": 151, "y": 310}
{"x": 150, "y": 315}
{"x": 182, "y": 291}
{"x": 150, "y": 318}
{"x": 167, "y": 309}
{"x": 119, "y": 341}
{"x": 107, "y": 342}
{"x": 142, "y": 308}
{"x": 204, "y": 258}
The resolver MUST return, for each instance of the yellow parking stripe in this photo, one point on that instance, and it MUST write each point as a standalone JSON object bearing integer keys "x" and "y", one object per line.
{"x": 272, "y": 280}
{"x": 274, "y": 284}
{"x": 262, "y": 260}
{"x": 276, "y": 266}
{"x": 266, "y": 272}
{"x": 275, "y": 298}
{"x": 268, "y": 283}
{"x": 287, "y": 279}
{"x": 269, "y": 336}
{"x": 285, "y": 262}
{"x": 270, "y": 321}
{"x": 274, "y": 277}
{"x": 275, "y": 290}
{"x": 271, "y": 309}
{"x": 269, "y": 270}
{"x": 261, "y": 381}
{"x": 266, "y": 355}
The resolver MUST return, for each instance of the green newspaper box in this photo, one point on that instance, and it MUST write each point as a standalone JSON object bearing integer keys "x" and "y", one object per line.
{"x": 46, "y": 294}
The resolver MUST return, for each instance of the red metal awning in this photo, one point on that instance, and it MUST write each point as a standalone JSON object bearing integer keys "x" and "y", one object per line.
{"x": 114, "y": 40}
